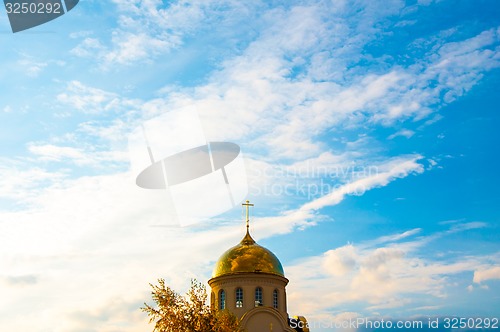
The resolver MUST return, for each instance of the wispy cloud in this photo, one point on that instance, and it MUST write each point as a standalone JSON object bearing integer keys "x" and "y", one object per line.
{"x": 380, "y": 274}
{"x": 88, "y": 99}
{"x": 19, "y": 181}
{"x": 78, "y": 156}
{"x": 486, "y": 274}
{"x": 403, "y": 132}
{"x": 309, "y": 213}
{"x": 147, "y": 29}
{"x": 32, "y": 68}
{"x": 104, "y": 218}
{"x": 21, "y": 280}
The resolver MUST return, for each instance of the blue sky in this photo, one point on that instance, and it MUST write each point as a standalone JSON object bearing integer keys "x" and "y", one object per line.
{"x": 368, "y": 132}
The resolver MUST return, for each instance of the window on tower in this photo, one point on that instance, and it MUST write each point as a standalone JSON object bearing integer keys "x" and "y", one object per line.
{"x": 222, "y": 299}
{"x": 275, "y": 299}
{"x": 239, "y": 298}
{"x": 258, "y": 296}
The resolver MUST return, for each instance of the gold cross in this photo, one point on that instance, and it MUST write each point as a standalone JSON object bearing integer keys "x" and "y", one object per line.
{"x": 247, "y": 204}
{"x": 271, "y": 327}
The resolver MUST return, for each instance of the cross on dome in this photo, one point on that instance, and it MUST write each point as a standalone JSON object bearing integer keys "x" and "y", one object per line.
{"x": 247, "y": 204}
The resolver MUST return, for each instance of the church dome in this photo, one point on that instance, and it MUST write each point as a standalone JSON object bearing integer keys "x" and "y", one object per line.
{"x": 246, "y": 257}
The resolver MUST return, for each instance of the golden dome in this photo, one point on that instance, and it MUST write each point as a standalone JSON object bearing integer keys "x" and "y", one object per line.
{"x": 246, "y": 257}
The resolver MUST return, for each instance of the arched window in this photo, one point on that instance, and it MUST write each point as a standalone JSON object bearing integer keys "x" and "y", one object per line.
{"x": 258, "y": 296}
{"x": 239, "y": 297}
{"x": 222, "y": 299}
{"x": 275, "y": 299}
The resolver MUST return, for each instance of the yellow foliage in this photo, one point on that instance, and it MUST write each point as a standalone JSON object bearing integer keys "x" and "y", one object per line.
{"x": 173, "y": 312}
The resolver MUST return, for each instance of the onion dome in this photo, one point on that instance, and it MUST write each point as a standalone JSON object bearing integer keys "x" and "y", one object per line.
{"x": 247, "y": 257}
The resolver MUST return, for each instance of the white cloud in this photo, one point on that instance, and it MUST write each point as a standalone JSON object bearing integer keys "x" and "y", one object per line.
{"x": 147, "y": 29}
{"x": 308, "y": 214}
{"x": 286, "y": 115}
{"x": 91, "y": 100}
{"x": 340, "y": 261}
{"x": 19, "y": 182}
{"x": 97, "y": 231}
{"x": 20, "y": 280}
{"x": 31, "y": 67}
{"x": 134, "y": 47}
{"x": 87, "y": 99}
{"x": 397, "y": 237}
{"x": 88, "y": 47}
{"x": 403, "y": 132}
{"x": 379, "y": 274}
{"x": 56, "y": 153}
{"x": 466, "y": 226}
{"x": 487, "y": 274}
{"x": 7, "y": 109}
{"x": 396, "y": 168}
{"x": 80, "y": 34}
{"x": 78, "y": 156}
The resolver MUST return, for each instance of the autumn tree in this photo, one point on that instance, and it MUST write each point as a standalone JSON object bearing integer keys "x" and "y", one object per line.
{"x": 173, "y": 312}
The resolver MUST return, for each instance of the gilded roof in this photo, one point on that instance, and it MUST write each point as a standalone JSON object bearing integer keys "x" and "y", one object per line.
{"x": 246, "y": 257}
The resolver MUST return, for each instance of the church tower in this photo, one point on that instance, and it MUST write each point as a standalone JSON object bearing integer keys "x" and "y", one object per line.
{"x": 249, "y": 281}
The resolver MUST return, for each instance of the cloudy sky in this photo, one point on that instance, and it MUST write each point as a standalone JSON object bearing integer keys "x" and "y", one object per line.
{"x": 367, "y": 129}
